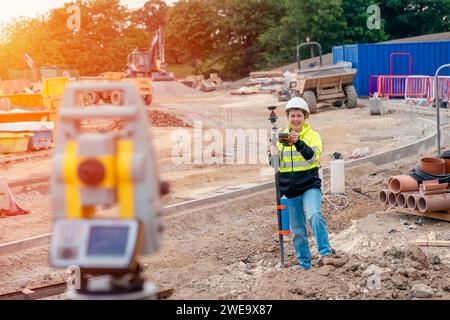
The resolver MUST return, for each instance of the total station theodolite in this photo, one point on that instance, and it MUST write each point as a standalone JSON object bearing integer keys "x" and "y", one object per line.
{"x": 96, "y": 169}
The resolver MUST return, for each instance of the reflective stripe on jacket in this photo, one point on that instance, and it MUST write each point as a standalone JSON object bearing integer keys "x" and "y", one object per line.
{"x": 292, "y": 160}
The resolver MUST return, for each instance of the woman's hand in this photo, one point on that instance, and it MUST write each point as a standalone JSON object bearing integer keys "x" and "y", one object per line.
{"x": 273, "y": 150}
{"x": 293, "y": 136}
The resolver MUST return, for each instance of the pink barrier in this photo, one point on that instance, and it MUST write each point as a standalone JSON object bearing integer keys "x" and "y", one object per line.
{"x": 417, "y": 88}
{"x": 411, "y": 88}
{"x": 391, "y": 86}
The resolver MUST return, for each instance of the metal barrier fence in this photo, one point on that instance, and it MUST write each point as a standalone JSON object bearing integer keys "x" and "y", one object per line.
{"x": 444, "y": 89}
{"x": 417, "y": 89}
{"x": 391, "y": 86}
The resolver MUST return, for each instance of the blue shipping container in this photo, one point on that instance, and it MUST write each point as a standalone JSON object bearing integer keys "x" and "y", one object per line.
{"x": 374, "y": 59}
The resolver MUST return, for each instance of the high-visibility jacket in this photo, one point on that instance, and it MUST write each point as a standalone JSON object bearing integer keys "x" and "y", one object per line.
{"x": 297, "y": 174}
{"x": 291, "y": 160}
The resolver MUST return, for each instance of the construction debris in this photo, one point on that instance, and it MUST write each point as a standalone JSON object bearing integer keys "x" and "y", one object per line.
{"x": 265, "y": 78}
{"x": 162, "y": 119}
{"x": 265, "y": 82}
{"x": 433, "y": 243}
{"x": 202, "y": 84}
{"x": 156, "y": 118}
{"x": 358, "y": 153}
{"x": 252, "y": 90}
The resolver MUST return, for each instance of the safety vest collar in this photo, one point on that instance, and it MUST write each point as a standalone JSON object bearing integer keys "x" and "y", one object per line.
{"x": 305, "y": 130}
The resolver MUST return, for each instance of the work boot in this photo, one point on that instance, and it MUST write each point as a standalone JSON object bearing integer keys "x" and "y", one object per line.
{"x": 325, "y": 260}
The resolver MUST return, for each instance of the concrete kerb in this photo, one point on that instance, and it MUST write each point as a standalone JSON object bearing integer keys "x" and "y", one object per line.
{"x": 220, "y": 197}
{"x": 13, "y": 246}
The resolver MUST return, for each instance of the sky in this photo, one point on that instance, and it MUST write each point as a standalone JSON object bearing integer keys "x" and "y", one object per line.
{"x": 31, "y": 8}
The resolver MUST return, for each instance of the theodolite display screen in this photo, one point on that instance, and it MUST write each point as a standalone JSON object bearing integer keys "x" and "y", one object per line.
{"x": 104, "y": 240}
{"x": 94, "y": 243}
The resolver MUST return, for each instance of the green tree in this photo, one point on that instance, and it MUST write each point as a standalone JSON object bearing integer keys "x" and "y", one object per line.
{"x": 20, "y": 36}
{"x": 320, "y": 21}
{"x": 190, "y": 28}
{"x": 105, "y": 39}
{"x": 151, "y": 15}
{"x": 407, "y": 18}
{"x": 355, "y": 13}
{"x": 102, "y": 44}
{"x": 237, "y": 47}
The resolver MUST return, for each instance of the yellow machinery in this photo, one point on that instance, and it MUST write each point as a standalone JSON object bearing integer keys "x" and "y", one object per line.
{"x": 96, "y": 169}
{"x": 328, "y": 84}
{"x": 150, "y": 62}
{"x": 41, "y": 106}
{"x": 143, "y": 84}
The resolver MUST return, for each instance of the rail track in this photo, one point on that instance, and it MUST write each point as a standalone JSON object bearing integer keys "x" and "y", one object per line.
{"x": 55, "y": 290}
{"x": 26, "y": 156}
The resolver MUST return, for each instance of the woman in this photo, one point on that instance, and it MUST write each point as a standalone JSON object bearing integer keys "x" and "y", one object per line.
{"x": 299, "y": 181}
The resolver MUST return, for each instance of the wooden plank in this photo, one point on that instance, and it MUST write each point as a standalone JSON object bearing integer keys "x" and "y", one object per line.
{"x": 434, "y": 215}
{"x": 433, "y": 243}
{"x": 36, "y": 293}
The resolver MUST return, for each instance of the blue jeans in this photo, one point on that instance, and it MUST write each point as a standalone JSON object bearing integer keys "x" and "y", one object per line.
{"x": 308, "y": 204}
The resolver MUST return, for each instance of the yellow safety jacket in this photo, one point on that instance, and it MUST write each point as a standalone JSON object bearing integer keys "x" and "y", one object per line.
{"x": 291, "y": 160}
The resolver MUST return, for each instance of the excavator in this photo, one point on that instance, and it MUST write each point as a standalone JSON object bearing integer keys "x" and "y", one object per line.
{"x": 144, "y": 66}
{"x": 151, "y": 62}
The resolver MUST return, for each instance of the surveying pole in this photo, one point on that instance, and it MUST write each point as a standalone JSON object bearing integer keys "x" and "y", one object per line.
{"x": 275, "y": 163}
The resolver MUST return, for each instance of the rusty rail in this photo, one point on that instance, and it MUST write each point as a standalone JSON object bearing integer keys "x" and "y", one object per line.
{"x": 26, "y": 156}
{"x": 55, "y": 290}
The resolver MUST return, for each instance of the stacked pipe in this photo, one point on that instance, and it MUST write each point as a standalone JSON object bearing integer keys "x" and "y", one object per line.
{"x": 425, "y": 189}
{"x": 399, "y": 189}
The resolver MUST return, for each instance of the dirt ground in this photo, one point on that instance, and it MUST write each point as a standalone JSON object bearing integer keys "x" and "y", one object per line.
{"x": 342, "y": 130}
{"x": 229, "y": 250}
{"x": 233, "y": 253}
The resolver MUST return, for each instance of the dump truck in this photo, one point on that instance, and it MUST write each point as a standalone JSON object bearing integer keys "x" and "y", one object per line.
{"x": 331, "y": 84}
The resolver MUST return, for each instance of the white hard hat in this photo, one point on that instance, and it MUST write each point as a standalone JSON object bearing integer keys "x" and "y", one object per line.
{"x": 297, "y": 103}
